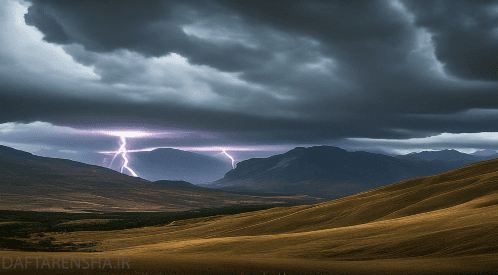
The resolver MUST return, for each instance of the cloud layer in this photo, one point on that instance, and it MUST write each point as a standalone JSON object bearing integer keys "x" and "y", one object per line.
{"x": 253, "y": 72}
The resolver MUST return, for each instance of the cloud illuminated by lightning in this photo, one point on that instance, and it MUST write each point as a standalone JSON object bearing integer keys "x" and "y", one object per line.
{"x": 130, "y": 134}
{"x": 214, "y": 148}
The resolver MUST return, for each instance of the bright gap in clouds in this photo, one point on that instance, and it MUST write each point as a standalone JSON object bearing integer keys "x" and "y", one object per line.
{"x": 456, "y": 138}
{"x": 127, "y": 134}
{"x": 25, "y": 47}
{"x": 463, "y": 142}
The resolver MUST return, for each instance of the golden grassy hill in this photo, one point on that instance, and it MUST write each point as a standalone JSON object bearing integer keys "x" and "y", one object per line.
{"x": 443, "y": 224}
{"x": 454, "y": 213}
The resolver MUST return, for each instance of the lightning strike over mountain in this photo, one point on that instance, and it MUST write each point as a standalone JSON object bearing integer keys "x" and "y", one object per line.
{"x": 125, "y": 164}
{"x": 230, "y": 157}
{"x": 122, "y": 149}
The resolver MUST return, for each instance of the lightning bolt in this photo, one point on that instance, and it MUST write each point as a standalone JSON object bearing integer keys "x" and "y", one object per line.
{"x": 115, "y": 155}
{"x": 230, "y": 157}
{"x": 122, "y": 151}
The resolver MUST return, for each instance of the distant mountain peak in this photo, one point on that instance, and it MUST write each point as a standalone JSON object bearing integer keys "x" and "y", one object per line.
{"x": 485, "y": 153}
{"x": 436, "y": 152}
{"x": 444, "y": 155}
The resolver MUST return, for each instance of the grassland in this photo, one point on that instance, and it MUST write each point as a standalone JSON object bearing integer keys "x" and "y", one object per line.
{"x": 443, "y": 224}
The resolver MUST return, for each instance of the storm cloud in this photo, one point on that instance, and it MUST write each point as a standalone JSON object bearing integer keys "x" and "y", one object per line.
{"x": 254, "y": 72}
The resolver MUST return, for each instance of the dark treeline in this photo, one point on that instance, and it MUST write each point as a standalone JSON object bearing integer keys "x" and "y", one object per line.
{"x": 24, "y": 230}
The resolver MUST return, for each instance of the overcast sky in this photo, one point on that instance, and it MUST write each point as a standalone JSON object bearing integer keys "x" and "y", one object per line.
{"x": 393, "y": 76}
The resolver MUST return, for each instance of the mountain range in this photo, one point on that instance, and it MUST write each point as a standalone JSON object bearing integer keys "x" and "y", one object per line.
{"x": 452, "y": 156}
{"x": 178, "y": 165}
{"x": 332, "y": 172}
{"x": 30, "y": 182}
{"x": 319, "y": 171}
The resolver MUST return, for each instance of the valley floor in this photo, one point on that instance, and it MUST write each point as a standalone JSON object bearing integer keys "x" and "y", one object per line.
{"x": 457, "y": 240}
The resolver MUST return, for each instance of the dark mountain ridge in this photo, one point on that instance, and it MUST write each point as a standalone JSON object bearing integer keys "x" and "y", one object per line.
{"x": 444, "y": 155}
{"x": 486, "y": 153}
{"x": 447, "y": 160}
{"x": 333, "y": 172}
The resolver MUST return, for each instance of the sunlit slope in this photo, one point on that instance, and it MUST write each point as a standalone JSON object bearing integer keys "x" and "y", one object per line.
{"x": 476, "y": 185}
{"x": 450, "y": 214}
{"x": 441, "y": 234}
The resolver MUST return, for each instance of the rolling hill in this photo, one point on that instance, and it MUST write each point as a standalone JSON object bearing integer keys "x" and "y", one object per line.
{"x": 441, "y": 224}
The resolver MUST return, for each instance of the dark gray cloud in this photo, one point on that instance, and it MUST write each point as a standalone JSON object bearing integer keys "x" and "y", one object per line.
{"x": 465, "y": 34}
{"x": 45, "y": 20}
{"x": 152, "y": 28}
{"x": 257, "y": 72}
{"x": 106, "y": 25}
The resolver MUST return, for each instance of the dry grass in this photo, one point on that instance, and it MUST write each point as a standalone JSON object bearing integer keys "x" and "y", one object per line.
{"x": 444, "y": 224}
